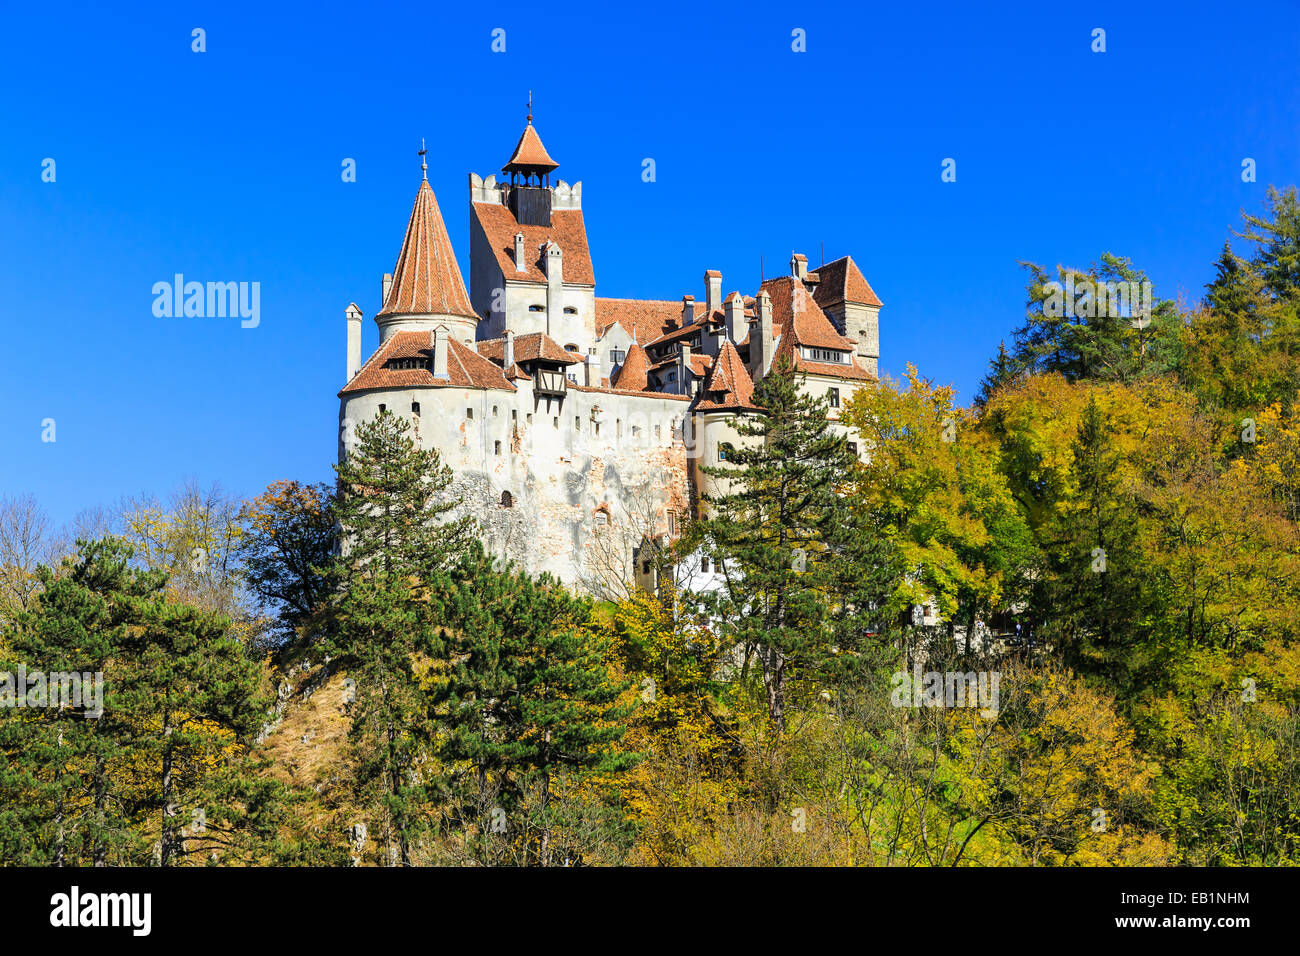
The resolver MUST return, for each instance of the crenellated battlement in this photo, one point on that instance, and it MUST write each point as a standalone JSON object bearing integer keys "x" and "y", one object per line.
{"x": 563, "y": 195}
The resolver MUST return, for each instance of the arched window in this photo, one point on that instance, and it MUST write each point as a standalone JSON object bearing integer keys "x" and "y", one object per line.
{"x": 570, "y": 310}
{"x": 507, "y": 500}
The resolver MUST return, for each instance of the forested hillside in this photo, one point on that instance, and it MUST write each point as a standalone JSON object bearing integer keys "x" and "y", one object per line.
{"x": 1106, "y": 539}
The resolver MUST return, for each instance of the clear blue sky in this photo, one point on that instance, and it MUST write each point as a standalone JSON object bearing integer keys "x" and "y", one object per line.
{"x": 226, "y": 166}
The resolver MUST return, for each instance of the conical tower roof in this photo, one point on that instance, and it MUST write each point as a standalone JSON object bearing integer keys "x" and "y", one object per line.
{"x": 426, "y": 279}
{"x": 530, "y": 155}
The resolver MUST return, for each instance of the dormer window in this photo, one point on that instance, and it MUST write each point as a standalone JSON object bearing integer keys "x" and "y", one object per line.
{"x": 407, "y": 363}
{"x": 829, "y": 356}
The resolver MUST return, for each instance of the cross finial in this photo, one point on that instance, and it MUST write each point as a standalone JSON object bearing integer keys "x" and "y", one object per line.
{"x": 530, "y": 107}
{"x": 424, "y": 166}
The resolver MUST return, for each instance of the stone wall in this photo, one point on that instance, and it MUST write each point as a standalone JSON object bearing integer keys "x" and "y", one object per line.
{"x": 574, "y": 469}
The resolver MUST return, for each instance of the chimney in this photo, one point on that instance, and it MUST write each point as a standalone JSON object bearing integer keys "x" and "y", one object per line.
{"x": 712, "y": 335}
{"x": 683, "y": 368}
{"x": 387, "y": 284}
{"x": 509, "y": 358}
{"x": 593, "y": 370}
{"x": 354, "y": 340}
{"x": 688, "y": 310}
{"x": 520, "y": 264}
{"x": 735, "y": 310}
{"x": 799, "y": 265}
{"x": 438, "y": 341}
{"x": 760, "y": 343}
{"x": 713, "y": 290}
{"x": 554, "y": 261}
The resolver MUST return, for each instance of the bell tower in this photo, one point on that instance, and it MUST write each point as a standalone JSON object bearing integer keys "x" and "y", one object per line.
{"x": 530, "y": 168}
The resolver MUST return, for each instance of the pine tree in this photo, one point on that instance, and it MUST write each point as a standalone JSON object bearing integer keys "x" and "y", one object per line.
{"x": 804, "y": 577}
{"x": 527, "y": 699}
{"x": 1096, "y": 586}
{"x": 391, "y": 585}
{"x": 1086, "y": 341}
{"x": 181, "y": 705}
{"x": 1002, "y": 369}
{"x": 78, "y": 625}
{"x": 1277, "y": 237}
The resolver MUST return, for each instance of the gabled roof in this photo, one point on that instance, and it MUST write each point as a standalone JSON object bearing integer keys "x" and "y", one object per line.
{"x": 843, "y": 281}
{"x": 793, "y": 308}
{"x": 529, "y": 154}
{"x": 567, "y": 229}
{"x": 634, "y": 373}
{"x": 426, "y": 279}
{"x": 646, "y": 319}
{"x": 788, "y": 349}
{"x": 730, "y": 377}
{"x": 465, "y": 367}
{"x": 529, "y": 347}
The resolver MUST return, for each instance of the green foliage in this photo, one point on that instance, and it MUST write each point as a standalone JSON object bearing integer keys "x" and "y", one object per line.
{"x": 806, "y": 580}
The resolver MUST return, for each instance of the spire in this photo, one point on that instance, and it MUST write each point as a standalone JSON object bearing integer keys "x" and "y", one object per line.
{"x": 530, "y": 157}
{"x": 426, "y": 279}
{"x": 424, "y": 165}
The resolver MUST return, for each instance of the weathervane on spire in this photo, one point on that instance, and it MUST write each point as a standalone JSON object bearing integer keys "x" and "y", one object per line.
{"x": 424, "y": 166}
{"x": 530, "y": 107}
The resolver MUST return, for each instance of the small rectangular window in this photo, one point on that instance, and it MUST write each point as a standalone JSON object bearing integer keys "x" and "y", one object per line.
{"x": 672, "y": 523}
{"x": 415, "y": 408}
{"x": 497, "y": 447}
{"x": 834, "y": 395}
{"x": 645, "y": 567}
{"x": 469, "y": 413}
{"x": 617, "y": 356}
{"x": 577, "y": 423}
{"x": 514, "y": 415}
{"x": 382, "y": 409}
{"x": 494, "y": 411}
{"x": 704, "y": 564}
{"x": 853, "y": 448}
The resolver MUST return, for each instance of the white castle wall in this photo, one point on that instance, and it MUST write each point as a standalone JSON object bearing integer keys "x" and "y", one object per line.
{"x": 558, "y": 471}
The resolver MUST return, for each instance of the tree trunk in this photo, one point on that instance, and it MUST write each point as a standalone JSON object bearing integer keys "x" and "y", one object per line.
{"x": 101, "y": 797}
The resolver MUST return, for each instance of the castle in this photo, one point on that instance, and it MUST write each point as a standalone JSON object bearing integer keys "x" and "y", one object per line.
{"x": 577, "y": 426}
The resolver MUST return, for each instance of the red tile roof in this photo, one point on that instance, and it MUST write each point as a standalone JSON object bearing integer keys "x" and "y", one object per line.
{"x": 793, "y": 307}
{"x": 730, "y": 377}
{"x": 646, "y": 319}
{"x": 633, "y": 374}
{"x": 787, "y": 349}
{"x": 465, "y": 367}
{"x": 426, "y": 279}
{"x": 567, "y": 229}
{"x": 843, "y": 281}
{"x": 529, "y": 347}
{"x": 529, "y": 153}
